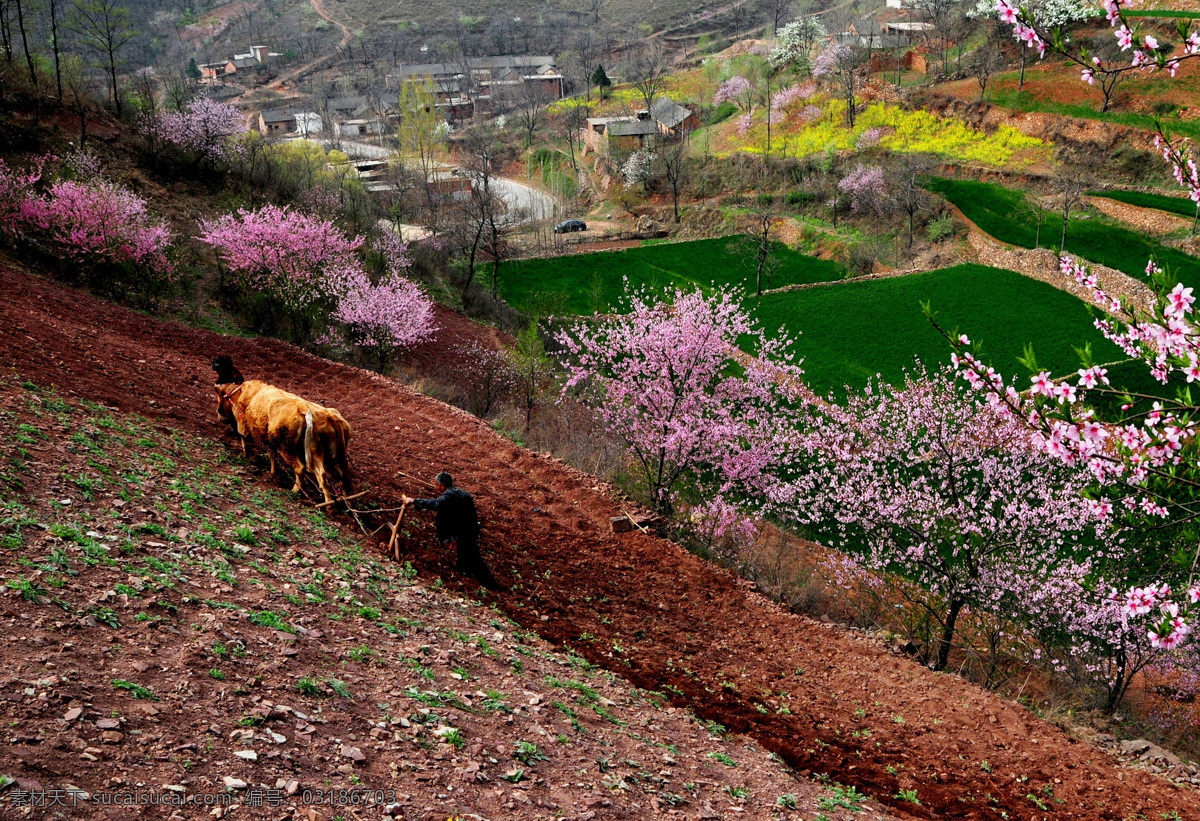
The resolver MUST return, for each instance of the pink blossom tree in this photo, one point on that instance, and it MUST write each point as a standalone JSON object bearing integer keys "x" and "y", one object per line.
{"x": 488, "y": 378}
{"x": 931, "y": 482}
{"x": 1143, "y": 455}
{"x": 391, "y": 315}
{"x": 866, "y": 187}
{"x": 385, "y": 318}
{"x": 203, "y": 130}
{"x": 301, "y": 264}
{"x": 667, "y": 379}
{"x": 839, "y": 65}
{"x": 99, "y": 223}
{"x": 737, "y": 90}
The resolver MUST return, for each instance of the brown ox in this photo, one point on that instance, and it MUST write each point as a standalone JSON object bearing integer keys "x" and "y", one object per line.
{"x": 307, "y": 436}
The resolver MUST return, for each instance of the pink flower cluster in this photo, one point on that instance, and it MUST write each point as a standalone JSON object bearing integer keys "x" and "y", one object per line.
{"x": 744, "y": 123}
{"x": 98, "y": 220}
{"x": 395, "y": 252}
{"x": 668, "y": 380}
{"x": 297, "y": 258}
{"x": 870, "y": 138}
{"x": 735, "y": 90}
{"x": 866, "y": 187}
{"x": 811, "y": 113}
{"x": 725, "y": 528}
{"x": 203, "y": 129}
{"x": 305, "y": 261}
{"x": 787, "y": 97}
{"x": 392, "y": 315}
{"x": 1146, "y": 54}
{"x": 1168, "y": 627}
{"x": 835, "y": 57}
{"x": 15, "y": 188}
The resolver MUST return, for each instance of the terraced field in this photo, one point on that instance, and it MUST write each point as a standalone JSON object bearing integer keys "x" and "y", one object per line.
{"x": 850, "y": 332}
{"x": 581, "y": 284}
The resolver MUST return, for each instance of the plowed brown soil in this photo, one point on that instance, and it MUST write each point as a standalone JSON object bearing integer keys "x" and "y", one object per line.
{"x": 826, "y": 700}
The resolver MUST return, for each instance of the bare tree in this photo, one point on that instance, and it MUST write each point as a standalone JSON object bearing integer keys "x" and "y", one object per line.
{"x": 570, "y": 125}
{"x": 673, "y": 160}
{"x": 840, "y": 64}
{"x": 907, "y": 187}
{"x": 529, "y": 106}
{"x": 77, "y": 81}
{"x": 985, "y": 64}
{"x": 106, "y": 28}
{"x": 420, "y": 134}
{"x": 1031, "y": 206}
{"x": 1107, "y": 49}
{"x": 777, "y": 9}
{"x": 55, "y": 10}
{"x": 940, "y": 14}
{"x": 648, "y": 71}
{"x": 1069, "y": 188}
{"x": 6, "y": 43}
{"x": 20, "y": 6}
{"x": 485, "y": 224}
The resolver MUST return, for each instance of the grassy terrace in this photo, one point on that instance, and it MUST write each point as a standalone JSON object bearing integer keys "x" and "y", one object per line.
{"x": 1169, "y": 13}
{"x": 1162, "y": 202}
{"x": 849, "y": 332}
{"x": 582, "y": 284}
{"x": 1000, "y": 212}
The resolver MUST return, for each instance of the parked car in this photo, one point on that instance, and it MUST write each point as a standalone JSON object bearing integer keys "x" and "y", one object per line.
{"x": 567, "y": 226}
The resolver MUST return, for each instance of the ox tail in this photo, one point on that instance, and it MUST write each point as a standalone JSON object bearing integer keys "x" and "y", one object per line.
{"x": 309, "y": 439}
{"x": 343, "y": 457}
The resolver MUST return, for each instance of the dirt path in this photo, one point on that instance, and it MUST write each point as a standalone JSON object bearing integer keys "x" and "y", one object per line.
{"x": 319, "y": 8}
{"x": 826, "y": 700}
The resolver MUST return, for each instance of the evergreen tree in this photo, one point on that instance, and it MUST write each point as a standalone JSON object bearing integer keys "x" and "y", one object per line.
{"x": 600, "y": 80}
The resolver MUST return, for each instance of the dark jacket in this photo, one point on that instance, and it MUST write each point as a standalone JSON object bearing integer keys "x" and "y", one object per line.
{"x": 456, "y": 518}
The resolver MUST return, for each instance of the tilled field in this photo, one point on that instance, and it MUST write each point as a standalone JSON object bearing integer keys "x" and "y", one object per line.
{"x": 826, "y": 700}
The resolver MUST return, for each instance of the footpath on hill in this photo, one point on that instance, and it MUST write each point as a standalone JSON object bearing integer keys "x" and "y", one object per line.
{"x": 826, "y": 700}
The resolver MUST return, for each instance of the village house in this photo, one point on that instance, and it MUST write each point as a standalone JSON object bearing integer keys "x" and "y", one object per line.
{"x": 276, "y": 122}
{"x": 666, "y": 119}
{"x": 481, "y": 81}
{"x": 673, "y": 119}
{"x": 611, "y": 135}
{"x": 360, "y": 127}
{"x": 215, "y": 73}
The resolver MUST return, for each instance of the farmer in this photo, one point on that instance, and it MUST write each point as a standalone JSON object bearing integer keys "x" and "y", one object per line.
{"x": 457, "y": 523}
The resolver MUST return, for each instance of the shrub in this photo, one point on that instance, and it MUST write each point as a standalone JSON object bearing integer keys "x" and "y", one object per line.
{"x": 105, "y": 228}
{"x": 940, "y": 229}
{"x": 798, "y": 198}
{"x": 721, "y": 113}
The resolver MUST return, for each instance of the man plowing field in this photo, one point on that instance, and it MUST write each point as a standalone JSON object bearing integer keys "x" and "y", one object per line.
{"x": 457, "y": 523}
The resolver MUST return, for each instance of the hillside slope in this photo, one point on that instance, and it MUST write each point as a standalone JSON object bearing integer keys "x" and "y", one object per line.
{"x": 826, "y": 700}
{"x": 178, "y": 629}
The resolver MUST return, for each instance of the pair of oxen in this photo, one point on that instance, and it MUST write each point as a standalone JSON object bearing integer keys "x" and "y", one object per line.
{"x": 305, "y": 436}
